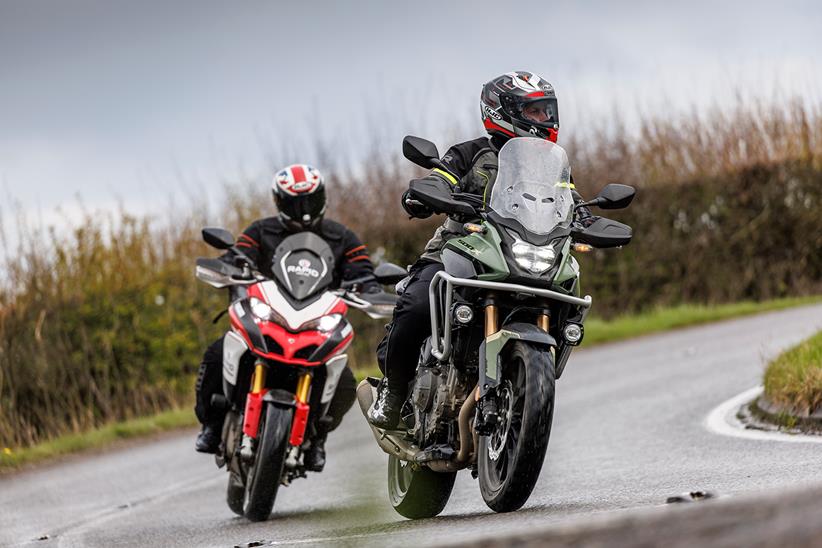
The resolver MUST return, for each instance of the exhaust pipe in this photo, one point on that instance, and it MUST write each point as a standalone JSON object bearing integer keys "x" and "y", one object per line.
{"x": 403, "y": 450}
{"x": 390, "y": 443}
{"x": 468, "y": 438}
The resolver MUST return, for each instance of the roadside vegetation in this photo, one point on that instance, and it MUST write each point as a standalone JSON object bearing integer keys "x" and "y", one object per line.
{"x": 597, "y": 331}
{"x": 12, "y": 459}
{"x": 106, "y": 322}
{"x": 793, "y": 380}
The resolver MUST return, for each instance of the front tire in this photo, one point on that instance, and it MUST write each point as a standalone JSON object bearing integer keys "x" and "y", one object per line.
{"x": 264, "y": 475}
{"x": 420, "y": 493}
{"x": 510, "y": 459}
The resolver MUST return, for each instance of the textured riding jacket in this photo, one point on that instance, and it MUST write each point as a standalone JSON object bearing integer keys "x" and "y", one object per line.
{"x": 260, "y": 240}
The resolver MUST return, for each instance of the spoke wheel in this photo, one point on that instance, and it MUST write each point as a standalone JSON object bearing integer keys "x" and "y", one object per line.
{"x": 510, "y": 458}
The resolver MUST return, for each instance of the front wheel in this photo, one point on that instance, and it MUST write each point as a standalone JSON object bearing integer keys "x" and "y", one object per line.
{"x": 420, "y": 493}
{"x": 510, "y": 458}
{"x": 264, "y": 475}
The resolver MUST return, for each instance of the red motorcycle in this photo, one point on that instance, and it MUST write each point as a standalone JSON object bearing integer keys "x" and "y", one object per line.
{"x": 288, "y": 338}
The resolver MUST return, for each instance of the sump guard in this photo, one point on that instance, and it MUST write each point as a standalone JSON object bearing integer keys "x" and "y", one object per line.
{"x": 491, "y": 350}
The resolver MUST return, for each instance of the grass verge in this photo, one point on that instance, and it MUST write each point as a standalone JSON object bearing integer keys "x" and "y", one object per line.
{"x": 794, "y": 379}
{"x": 12, "y": 459}
{"x": 596, "y": 332}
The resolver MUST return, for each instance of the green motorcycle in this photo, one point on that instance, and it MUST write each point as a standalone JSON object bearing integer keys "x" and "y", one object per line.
{"x": 506, "y": 312}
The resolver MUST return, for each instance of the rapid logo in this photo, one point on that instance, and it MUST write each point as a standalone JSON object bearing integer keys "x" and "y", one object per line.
{"x": 303, "y": 268}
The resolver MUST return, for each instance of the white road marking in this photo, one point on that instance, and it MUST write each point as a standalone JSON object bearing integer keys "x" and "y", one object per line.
{"x": 722, "y": 420}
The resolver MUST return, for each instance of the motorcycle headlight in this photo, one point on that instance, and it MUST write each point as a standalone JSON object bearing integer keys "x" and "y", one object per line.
{"x": 262, "y": 311}
{"x": 534, "y": 258}
{"x": 324, "y": 323}
{"x": 260, "y": 308}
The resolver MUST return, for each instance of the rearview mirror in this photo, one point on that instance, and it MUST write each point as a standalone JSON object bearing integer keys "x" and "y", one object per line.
{"x": 420, "y": 151}
{"x": 615, "y": 196}
{"x": 218, "y": 237}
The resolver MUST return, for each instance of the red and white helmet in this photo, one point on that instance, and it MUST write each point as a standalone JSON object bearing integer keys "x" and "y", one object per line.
{"x": 520, "y": 104}
{"x": 299, "y": 193}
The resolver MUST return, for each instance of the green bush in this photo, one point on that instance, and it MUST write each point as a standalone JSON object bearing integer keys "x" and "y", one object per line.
{"x": 794, "y": 379}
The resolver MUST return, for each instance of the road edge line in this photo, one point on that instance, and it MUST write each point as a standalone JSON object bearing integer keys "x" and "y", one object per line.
{"x": 722, "y": 420}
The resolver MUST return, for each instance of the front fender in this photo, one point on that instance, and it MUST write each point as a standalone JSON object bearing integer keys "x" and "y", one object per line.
{"x": 492, "y": 348}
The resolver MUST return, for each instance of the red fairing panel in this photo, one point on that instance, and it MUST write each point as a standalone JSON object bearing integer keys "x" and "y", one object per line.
{"x": 291, "y": 342}
{"x": 251, "y": 417}
{"x": 299, "y": 423}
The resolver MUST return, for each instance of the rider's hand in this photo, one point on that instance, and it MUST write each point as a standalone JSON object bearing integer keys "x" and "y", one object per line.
{"x": 586, "y": 221}
{"x": 414, "y": 208}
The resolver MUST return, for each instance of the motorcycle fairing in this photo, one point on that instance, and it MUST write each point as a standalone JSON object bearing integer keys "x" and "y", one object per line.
{"x": 334, "y": 368}
{"x": 269, "y": 292}
{"x": 234, "y": 346}
{"x": 303, "y": 348}
{"x": 303, "y": 265}
{"x": 483, "y": 249}
{"x": 337, "y": 342}
{"x": 491, "y": 349}
{"x": 244, "y": 322}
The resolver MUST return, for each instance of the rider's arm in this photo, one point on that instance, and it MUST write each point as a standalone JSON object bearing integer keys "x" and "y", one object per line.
{"x": 355, "y": 262}
{"x": 248, "y": 243}
{"x": 458, "y": 161}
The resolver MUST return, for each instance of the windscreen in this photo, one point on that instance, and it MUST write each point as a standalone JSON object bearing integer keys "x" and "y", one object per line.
{"x": 303, "y": 265}
{"x": 533, "y": 185}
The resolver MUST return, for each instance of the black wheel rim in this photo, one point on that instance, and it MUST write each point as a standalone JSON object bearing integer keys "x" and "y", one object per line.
{"x": 502, "y": 443}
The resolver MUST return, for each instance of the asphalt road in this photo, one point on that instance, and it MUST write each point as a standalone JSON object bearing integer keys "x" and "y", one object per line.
{"x": 628, "y": 432}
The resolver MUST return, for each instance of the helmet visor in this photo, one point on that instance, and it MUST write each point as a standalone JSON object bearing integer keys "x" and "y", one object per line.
{"x": 541, "y": 112}
{"x": 298, "y": 207}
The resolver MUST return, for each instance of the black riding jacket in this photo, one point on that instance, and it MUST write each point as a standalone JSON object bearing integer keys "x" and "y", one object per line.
{"x": 472, "y": 168}
{"x": 260, "y": 240}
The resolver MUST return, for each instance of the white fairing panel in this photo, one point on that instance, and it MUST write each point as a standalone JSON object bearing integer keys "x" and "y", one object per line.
{"x": 295, "y": 318}
{"x": 233, "y": 349}
{"x": 334, "y": 367}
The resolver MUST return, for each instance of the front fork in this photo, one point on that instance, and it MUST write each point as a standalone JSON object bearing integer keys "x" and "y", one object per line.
{"x": 254, "y": 405}
{"x": 489, "y": 414}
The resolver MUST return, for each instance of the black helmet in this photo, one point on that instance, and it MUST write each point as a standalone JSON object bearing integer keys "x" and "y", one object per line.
{"x": 299, "y": 193}
{"x": 520, "y": 104}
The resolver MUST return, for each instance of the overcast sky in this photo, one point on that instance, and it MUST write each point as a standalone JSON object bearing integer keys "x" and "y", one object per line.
{"x": 134, "y": 101}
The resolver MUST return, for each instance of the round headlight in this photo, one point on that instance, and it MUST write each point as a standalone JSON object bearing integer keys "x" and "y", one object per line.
{"x": 464, "y": 314}
{"x": 572, "y": 333}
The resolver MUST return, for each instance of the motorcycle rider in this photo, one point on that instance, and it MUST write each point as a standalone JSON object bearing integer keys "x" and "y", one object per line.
{"x": 516, "y": 104}
{"x": 299, "y": 194}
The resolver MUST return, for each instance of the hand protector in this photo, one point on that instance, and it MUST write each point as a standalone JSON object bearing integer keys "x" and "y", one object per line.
{"x": 413, "y": 207}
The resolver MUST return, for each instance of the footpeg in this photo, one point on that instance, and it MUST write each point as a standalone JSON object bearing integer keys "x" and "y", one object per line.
{"x": 435, "y": 452}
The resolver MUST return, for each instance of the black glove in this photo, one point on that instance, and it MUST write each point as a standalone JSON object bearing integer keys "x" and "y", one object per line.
{"x": 413, "y": 207}
{"x": 582, "y": 214}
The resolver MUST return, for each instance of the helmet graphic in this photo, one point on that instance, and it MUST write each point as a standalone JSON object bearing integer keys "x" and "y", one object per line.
{"x": 520, "y": 104}
{"x": 299, "y": 193}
